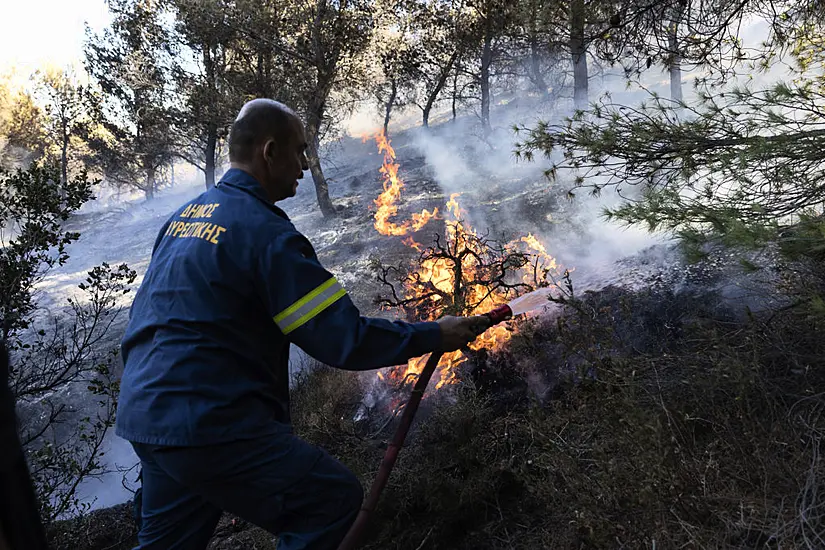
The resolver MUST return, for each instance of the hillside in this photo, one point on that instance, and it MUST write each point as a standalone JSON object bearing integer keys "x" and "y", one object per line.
{"x": 502, "y": 196}
{"x": 622, "y": 418}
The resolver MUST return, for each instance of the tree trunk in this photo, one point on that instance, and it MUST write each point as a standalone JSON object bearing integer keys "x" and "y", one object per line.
{"x": 439, "y": 85}
{"x": 149, "y": 190}
{"x": 455, "y": 96}
{"x": 535, "y": 58}
{"x": 315, "y": 115}
{"x": 486, "y": 61}
{"x": 326, "y": 68}
{"x": 261, "y": 73}
{"x": 676, "y": 78}
{"x": 389, "y": 105}
{"x": 64, "y": 162}
{"x": 535, "y": 68}
{"x": 211, "y": 114}
{"x": 674, "y": 55}
{"x": 209, "y": 153}
{"x": 578, "y": 53}
{"x": 64, "y": 157}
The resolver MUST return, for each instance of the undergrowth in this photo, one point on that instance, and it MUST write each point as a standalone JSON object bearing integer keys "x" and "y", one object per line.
{"x": 648, "y": 419}
{"x": 651, "y": 419}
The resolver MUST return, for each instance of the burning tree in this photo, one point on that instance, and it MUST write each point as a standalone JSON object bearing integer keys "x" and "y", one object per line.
{"x": 444, "y": 286}
{"x": 463, "y": 273}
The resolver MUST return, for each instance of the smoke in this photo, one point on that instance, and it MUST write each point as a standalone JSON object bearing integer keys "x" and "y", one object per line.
{"x": 119, "y": 482}
{"x": 498, "y": 189}
{"x": 462, "y": 158}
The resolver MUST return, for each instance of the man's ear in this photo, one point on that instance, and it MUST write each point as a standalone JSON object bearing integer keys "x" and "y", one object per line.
{"x": 270, "y": 149}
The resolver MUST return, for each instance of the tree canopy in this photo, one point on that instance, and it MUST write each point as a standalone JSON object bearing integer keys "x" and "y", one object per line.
{"x": 169, "y": 76}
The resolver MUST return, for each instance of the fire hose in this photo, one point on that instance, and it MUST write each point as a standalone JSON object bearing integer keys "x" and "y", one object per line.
{"x": 359, "y": 526}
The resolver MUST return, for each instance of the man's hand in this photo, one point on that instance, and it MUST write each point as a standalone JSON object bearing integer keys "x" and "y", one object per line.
{"x": 457, "y": 332}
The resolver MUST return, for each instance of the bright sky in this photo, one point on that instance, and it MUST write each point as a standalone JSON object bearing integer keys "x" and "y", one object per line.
{"x": 41, "y": 32}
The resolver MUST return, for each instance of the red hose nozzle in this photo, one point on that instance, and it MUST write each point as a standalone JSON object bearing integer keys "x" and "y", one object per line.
{"x": 499, "y": 314}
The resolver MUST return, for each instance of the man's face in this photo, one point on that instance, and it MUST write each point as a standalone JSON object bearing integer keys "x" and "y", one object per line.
{"x": 286, "y": 161}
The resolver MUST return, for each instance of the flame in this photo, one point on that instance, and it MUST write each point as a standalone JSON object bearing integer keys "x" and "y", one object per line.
{"x": 386, "y": 202}
{"x": 409, "y": 241}
{"x": 441, "y": 274}
{"x": 452, "y": 205}
{"x": 542, "y": 256}
{"x": 534, "y": 243}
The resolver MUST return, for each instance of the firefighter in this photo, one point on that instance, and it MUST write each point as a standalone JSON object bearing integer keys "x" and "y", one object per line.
{"x": 205, "y": 393}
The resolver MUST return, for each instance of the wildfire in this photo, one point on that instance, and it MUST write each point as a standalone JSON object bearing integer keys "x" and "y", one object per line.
{"x": 386, "y": 202}
{"x": 534, "y": 243}
{"x": 440, "y": 282}
{"x": 542, "y": 256}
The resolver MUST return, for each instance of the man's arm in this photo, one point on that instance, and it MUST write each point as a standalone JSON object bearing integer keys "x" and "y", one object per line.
{"x": 314, "y": 312}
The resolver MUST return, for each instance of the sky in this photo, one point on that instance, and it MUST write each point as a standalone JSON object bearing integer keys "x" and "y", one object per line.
{"x": 37, "y": 33}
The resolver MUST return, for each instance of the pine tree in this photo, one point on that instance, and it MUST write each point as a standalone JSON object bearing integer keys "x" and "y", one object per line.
{"x": 130, "y": 62}
{"x": 741, "y": 167}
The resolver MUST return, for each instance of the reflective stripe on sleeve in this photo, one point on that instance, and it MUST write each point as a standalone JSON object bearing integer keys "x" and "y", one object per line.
{"x": 305, "y": 309}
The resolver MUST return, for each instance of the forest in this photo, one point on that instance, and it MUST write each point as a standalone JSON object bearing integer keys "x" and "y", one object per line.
{"x": 656, "y": 168}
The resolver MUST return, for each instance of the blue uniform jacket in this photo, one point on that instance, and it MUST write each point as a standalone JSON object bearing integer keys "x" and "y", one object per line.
{"x": 230, "y": 284}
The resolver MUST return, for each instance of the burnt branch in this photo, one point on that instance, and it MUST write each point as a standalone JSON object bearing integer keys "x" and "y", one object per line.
{"x": 461, "y": 273}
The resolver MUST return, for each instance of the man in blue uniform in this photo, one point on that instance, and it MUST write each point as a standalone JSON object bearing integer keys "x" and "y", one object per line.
{"x": 205, "y": 392}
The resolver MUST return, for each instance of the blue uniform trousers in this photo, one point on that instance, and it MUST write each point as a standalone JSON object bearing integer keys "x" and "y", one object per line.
{"x": 279, "y": 482}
